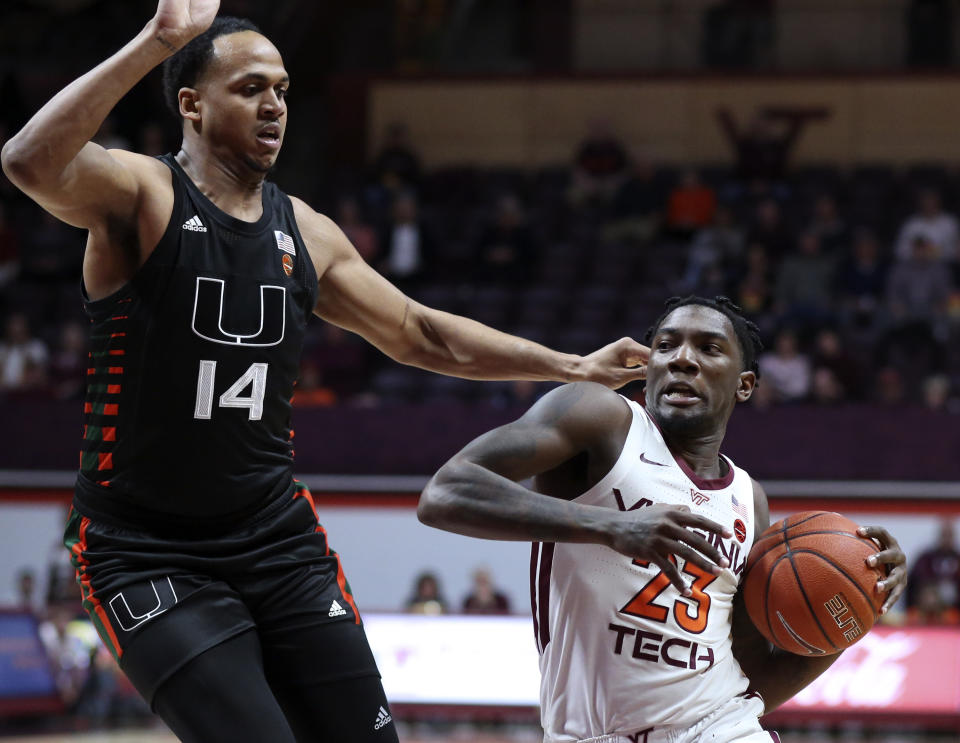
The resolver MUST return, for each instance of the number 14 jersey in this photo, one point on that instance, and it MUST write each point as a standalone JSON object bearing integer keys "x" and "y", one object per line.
{"x": 192, "y": 369}
{"x": 621, "y": 650}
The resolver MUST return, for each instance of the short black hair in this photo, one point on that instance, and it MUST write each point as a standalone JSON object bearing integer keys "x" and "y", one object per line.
{"x": 748, "y": 334}
{"x": 184, "y": 68}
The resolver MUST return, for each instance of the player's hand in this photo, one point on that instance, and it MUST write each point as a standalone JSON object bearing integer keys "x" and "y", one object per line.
{"x": 891, "y": 556}
{"x": 179, "y": 21}
{"x": 617, "y": 363}
{"x": 655, "y": 533}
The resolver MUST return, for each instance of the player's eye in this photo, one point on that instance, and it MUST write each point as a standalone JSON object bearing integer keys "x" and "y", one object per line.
{"x": 282, "y": 93}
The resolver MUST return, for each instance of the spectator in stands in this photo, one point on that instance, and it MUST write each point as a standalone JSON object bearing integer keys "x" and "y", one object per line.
{"x": 931, "y": 222}
{"x": 825, "y": 389}
{"x": 805, "y": 283}
{"x": 829, "y": 226}
{"x": 310, "y": 391}
{"x": 27, "y": 597}
{"x": 862, "y": 284}
{"x": 50, "y": 257}
{"x": 397, "y": 164}
{"x": 933, "y": 590}
{"x": 600, "y": 165}
{"x": 830, "y": 355}
{"x": 785, "y": 370}
{"x": 23, "y": 358}
{"x": 408, "y": 248}
{"x": 637, "y": 207}
{"x": 769, "y": 230}
{"x": 68, "y": 365}
{"x": 763, "y": 148}
{"x": 690, "y": 206}
{"x": 719, "y": 246}
{"x": 506, "y": 251}
{"x": 918, "y": 290}
{"x": 888, "y": 387}
{"x": 67, "y": 649}
{"x": 936, "y": 394}
{"x": 341, "y": 361}
{"x": 484, "y": 598}
{"x": 426, "y": 598}
{"x": 361, "y": 234}
{"x": 753, "y": 285}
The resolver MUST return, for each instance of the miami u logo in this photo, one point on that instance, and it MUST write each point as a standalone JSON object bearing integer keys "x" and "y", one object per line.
{"x": 148, "y": 600}
{"x": 208, "y": 315}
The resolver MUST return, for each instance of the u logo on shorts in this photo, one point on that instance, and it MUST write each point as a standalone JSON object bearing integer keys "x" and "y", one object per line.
{"x": 158, "y": 595}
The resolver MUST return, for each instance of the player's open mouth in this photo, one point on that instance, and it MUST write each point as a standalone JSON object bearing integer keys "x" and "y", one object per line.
{"x": 269, "y": 135}
{"x": 680, "y": 393}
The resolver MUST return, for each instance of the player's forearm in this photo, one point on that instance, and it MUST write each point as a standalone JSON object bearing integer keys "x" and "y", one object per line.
{"x": 455, "y": 345}
{"x": 468, "y": 499}
{"x": 40, "y": 152}
{"x": 783, "y": 674}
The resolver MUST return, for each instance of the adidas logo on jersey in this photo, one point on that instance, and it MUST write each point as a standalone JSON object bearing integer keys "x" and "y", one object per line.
{"x": 194, "y": 224}
{"x": 336, "y": 610}
{"x": 383, "y": 717}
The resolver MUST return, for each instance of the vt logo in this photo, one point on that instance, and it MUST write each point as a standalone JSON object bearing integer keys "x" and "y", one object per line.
{"x": 208, "y": 315}
{"x": 148, "y": 600}
{"x": 697, "y": 497}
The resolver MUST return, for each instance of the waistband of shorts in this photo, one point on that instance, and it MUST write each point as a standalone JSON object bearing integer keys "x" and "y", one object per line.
{"x": 112, "y": 509}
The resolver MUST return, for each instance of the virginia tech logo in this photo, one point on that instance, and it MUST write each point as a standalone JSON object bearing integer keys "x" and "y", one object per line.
{"x": 698, "y": 498}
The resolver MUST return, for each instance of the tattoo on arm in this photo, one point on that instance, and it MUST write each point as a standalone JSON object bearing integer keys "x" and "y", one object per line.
{"x": 164, "y": 43}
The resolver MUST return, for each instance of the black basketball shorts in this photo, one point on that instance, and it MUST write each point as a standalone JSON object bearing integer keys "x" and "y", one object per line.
{"x": 158, "y": 602}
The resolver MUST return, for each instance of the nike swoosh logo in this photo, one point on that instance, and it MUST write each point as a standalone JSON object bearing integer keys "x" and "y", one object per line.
{"x": 644, "y": 459}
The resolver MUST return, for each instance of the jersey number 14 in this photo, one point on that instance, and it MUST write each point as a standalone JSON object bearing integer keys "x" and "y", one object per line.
{"x": 255, "y": 378}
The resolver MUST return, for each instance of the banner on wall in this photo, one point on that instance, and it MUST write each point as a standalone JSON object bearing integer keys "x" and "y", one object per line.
{"x": 493, "y": 661}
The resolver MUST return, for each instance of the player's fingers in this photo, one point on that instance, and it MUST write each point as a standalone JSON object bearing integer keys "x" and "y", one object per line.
{"x": 884, "y": 537}
{"x": 631, "y": 353}
{"x": 670, "y": 570}
{"x": 896, "y": 583}
{"x": 887, "y": 557}
{"x": 707, "y": 551}
{"x": 696, "y": 521}
{"x": 704, "y": 563}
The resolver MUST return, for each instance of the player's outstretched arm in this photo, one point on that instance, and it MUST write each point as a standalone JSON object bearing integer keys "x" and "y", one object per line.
{"x": 774, "y": 673}
{"x": 51, "y": 158}
{"x": 354, "y": 296}
{"x": 476, "y": 492}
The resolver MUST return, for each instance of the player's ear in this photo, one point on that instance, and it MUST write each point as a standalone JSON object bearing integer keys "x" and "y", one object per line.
{"x": 189, "y": 99}
{"x": 748, "y": 382}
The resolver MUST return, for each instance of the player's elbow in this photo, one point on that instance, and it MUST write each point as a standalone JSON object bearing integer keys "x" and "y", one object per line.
{"x": 16, "y": 163}
{"x": 436, "y": 506}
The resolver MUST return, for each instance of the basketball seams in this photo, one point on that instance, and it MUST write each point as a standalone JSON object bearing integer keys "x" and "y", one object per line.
{"x": 840, "y": 569}
{"x": 756, "y": 558}
{"x": 803, "y": 592}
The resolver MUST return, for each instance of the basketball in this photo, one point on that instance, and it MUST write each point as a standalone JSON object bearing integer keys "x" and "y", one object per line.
{"x": 807, "y": 586}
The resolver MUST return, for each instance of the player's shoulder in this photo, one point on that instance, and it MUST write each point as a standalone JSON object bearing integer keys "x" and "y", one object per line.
{"x": 318, "y": 230}
{"x": 581, "y": 404}
{"x": 761, "y": 506}
{"x": 142, "y": 166}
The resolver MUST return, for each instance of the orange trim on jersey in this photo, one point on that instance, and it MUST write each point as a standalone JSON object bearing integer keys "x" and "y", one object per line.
{"x": 87, "y": 407}
{"x": 118, "y": 335}
{"x": 120, "y": 317}
{"x": 91, "y": 371}
{"x": 115, "y": 370}
{"x": 78, "y": 549}
{"x": 342, "y": 582}
{"x": 109, "y": 433}
{"x": 113, "y": 389}
{"x": 117, "y": 352}
{"x": 111, "y": 408}
{"x": 105, "y": 461}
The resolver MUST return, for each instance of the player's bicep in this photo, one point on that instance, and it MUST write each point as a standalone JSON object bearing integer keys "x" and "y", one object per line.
{"x": 96, "y": 185}
{"x": 567, "y": 421}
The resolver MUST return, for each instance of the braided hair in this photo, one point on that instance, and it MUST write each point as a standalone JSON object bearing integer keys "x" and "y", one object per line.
{"x": 748, "y": 334}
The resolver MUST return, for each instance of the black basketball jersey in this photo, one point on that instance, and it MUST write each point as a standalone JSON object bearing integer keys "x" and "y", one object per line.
{"x": 192, "y": 368}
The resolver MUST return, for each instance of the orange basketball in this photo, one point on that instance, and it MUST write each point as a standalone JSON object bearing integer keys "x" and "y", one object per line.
{"x": 807, "y": 586}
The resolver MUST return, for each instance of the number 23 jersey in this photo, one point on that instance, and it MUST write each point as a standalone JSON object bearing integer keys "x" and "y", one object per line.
{"x": 620, "y": 649}
{"x": 192, "y": 368}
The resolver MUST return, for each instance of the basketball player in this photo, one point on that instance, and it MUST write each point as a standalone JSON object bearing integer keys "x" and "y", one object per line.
{"x": 641, "y": 531}
{"x": 200, "y": 559}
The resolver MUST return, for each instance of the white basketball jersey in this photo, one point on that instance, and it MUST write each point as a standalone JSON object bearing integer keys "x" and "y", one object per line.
{"x": 621, "y": 651}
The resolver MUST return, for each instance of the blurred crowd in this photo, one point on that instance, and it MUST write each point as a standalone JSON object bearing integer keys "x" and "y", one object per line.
{"x": 852, "y": 275}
